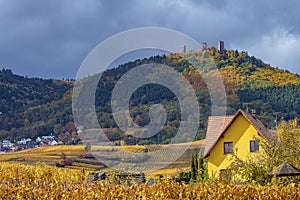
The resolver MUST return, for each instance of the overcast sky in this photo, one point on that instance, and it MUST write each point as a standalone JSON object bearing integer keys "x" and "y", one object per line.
{"x": 41, "y": 38}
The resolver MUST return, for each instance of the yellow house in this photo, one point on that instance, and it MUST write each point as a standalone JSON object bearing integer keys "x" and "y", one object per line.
{"x": 226, "y": 135}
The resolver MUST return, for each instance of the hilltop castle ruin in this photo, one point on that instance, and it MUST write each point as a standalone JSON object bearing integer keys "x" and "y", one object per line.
{"x": 221, "y": 47}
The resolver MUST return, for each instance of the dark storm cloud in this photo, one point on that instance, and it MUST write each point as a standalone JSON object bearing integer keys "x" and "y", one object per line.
{"x": 51, "y": 38}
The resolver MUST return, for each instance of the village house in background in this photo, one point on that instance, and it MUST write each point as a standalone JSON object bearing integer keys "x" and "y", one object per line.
{"x": 47, "y": 140}
{"x": 27, "y": 143}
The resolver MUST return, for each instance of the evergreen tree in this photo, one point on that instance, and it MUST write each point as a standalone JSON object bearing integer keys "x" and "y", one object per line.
{"x": 199, "y": 171}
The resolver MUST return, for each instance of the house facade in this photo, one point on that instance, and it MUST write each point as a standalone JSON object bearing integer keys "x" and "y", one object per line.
{"x": 240, "y": 134}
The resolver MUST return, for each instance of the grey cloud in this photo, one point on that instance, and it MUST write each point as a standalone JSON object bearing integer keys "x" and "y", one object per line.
{"x": 51, "y": 38}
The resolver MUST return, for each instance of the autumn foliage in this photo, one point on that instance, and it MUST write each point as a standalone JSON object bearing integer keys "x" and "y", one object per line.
{"x": 19, "y": 181}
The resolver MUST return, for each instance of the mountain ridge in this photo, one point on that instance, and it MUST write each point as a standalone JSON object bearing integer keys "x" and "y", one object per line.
{"x": 43, "y": 106}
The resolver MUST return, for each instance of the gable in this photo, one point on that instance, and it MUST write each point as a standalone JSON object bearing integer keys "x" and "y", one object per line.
{"x": 214, "y": 134}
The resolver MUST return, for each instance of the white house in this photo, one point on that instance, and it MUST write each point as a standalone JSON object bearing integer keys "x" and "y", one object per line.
{"x": 79, "y": 131}
{"x": 7, "y": 143}
{"x": 38, "y": 140}
{"x": 22, "y": 141}
{"x": 53, "y": 143}
{"x": 48, "y": 137}
{"x": 28, "y": 140}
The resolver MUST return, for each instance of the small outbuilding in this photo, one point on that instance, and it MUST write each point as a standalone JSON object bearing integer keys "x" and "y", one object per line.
{"x": 285, "y": 169}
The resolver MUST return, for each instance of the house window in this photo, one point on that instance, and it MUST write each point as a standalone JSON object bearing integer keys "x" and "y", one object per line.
{"x": 228, "y": 147}
{"x": 254, "y": 145}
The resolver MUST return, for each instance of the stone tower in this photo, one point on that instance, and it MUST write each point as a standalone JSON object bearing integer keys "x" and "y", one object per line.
{"x": 204, "y": 46}
{"x": 183, "y": 48}
{"x": 221, "y": 47}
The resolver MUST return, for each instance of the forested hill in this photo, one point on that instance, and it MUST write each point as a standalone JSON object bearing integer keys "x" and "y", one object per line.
{"x": 32, "y": 107}
{"x": 18, "y": 95}
{"x": 19, "y": 92}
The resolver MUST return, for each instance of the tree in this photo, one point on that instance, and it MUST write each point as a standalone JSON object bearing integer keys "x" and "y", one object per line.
{"x": 198, "y": 171}
{"x": 284, "y": 146}
{"x": 88, "y": 147}
{"x": 279, "y": 147}
{"x": 254, "y": 169}
{"x": 74, "y": 134}
{"x": 58, "y": 129}
{"x": 70, "y": 127}
{"x": 139, "y": 120}
{"x": 68, "y": 161}
{"x": 65, "y": 161}
{"x": 202, "y": 169}
{"x": 65, "y": 138}
{"x": 26, "y": 123}
{"x": 194, "y": 166}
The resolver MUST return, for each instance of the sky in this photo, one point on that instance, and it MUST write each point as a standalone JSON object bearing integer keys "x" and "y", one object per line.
{"x": 50, "y": 39}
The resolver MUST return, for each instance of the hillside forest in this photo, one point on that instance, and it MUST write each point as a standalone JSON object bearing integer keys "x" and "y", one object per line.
{"x": 32, "y": 107}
